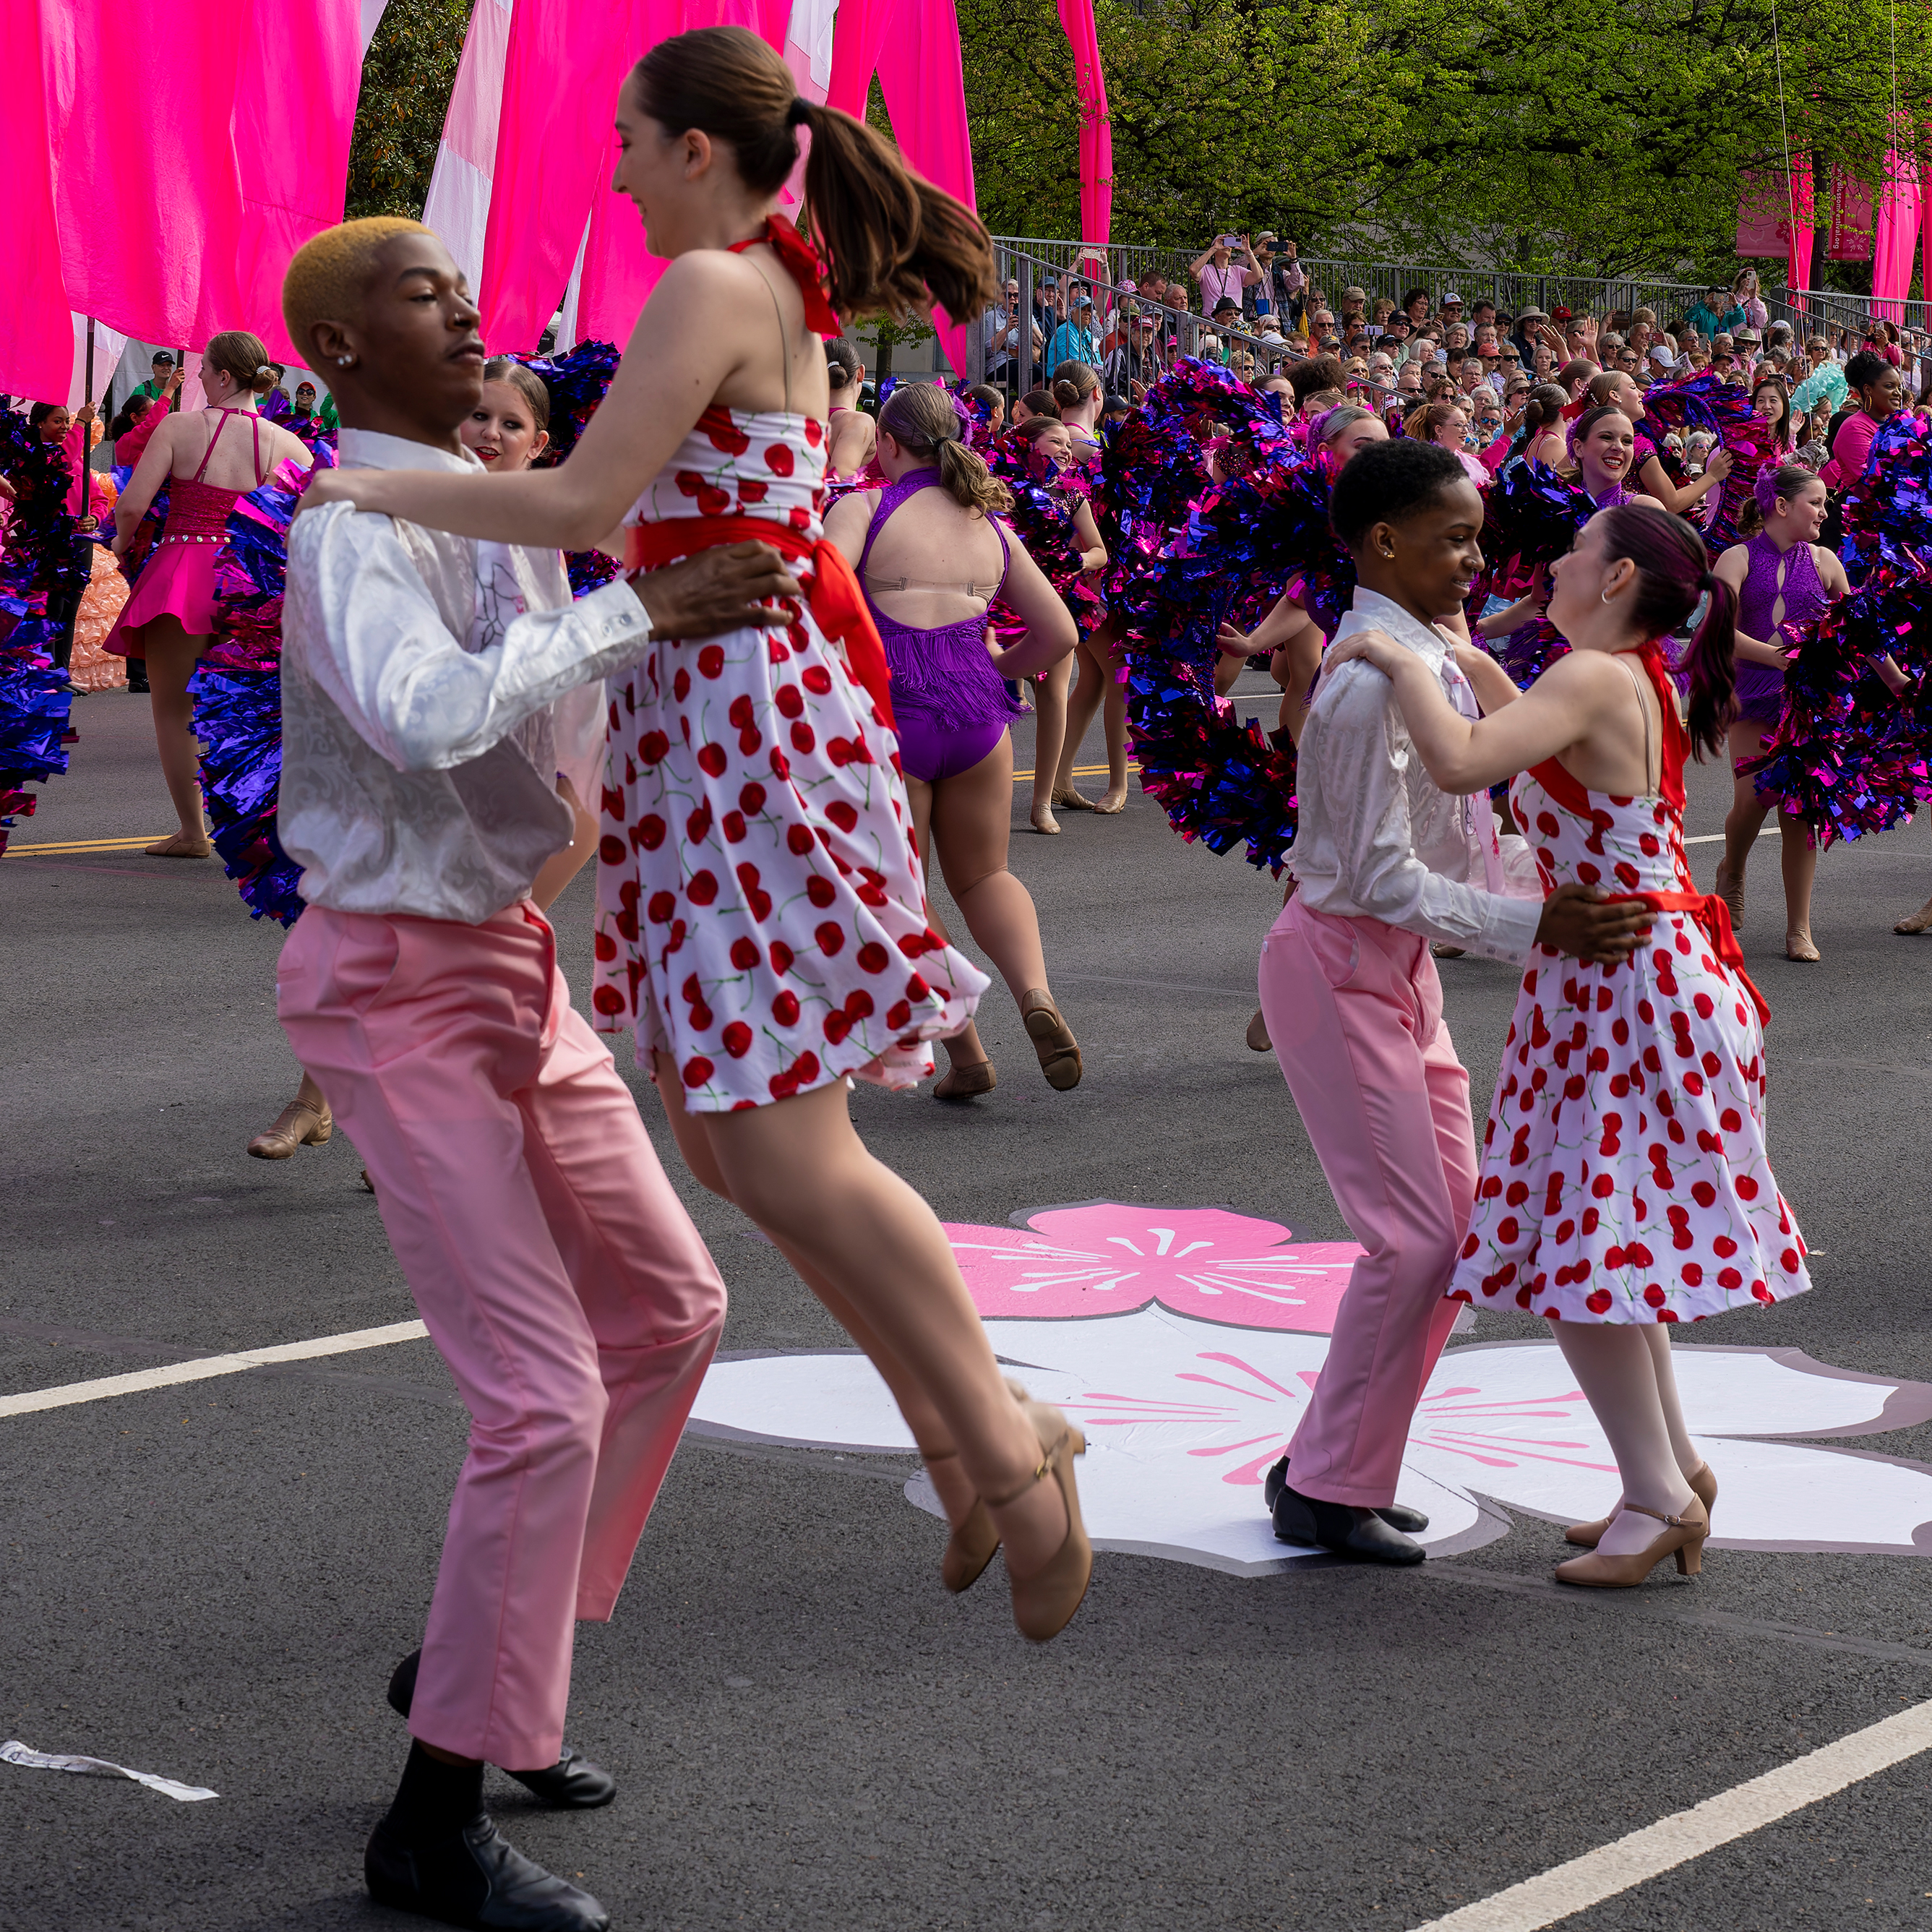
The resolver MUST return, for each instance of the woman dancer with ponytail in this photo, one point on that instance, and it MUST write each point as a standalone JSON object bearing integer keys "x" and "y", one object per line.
{"x": 1617, "y": 389}
{"x": 929, "y": 547}
{"x": 170, "y": 617}
{"x": 1653, "y": 1069}
{"x": 762, "y": 922}
{"x": 1781, "y": 578}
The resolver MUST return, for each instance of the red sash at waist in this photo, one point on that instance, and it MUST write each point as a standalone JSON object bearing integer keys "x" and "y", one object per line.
{"x": 1714, "y": 916}
{"x": 838, "y": 607}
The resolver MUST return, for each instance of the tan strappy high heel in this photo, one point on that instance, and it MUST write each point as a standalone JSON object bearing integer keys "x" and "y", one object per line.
{"x": 1683, "y": 1537}
{"x": 1703, "y": 1483}
{"x": 1044, "y": 1603}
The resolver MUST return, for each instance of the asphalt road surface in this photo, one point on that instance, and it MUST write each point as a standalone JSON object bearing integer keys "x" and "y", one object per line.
{"x": 213, "y": 1580}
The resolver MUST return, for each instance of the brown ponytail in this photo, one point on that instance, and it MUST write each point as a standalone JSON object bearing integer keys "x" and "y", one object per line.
{"x": 243, "y": 355}
{"x": 920, "y": 418}
{"x": 893, "y": 244}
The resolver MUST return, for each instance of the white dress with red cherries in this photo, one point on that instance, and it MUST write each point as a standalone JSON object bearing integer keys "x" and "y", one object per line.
{"x": 1623, "y": 1172}
{"x": 761, "y": 914}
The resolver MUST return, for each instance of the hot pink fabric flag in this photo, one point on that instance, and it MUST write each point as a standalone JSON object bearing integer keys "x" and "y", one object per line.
{"x": 294, "y": 112}
{"x": 36, "y": 330}
{"x": 923, "y": 80}
{"x": 1802, "y": 226}
{"x": 1897, "y": 238}
{"x": 566, "y": 62}
{"x": 858, "y": 35}
{"x": 1096, "y": 126}
{"x": 619, "y": 272}
{"x": 148, "y": 187}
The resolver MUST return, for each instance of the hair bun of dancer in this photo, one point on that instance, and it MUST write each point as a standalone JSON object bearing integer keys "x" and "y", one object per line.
{"x": 920, "y": 418}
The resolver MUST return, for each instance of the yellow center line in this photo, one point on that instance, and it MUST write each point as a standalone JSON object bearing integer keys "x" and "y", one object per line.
{"x": 17, "y": 851}
{"x": 1082, "y": 771}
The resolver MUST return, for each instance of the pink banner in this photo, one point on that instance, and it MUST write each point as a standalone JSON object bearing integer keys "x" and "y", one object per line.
{"x": 619, "y": 272}
{"x": 148, "y": 189}
{"x": 858, "y": 35}
{"x": 1853, "y": 234}
{"x": 1096, "y": 126}
{"x": 923, "y": 79}
{"x": 294, "y": 112}
{"x": 1897, "y": 238}
{"x": 36, "y": 332}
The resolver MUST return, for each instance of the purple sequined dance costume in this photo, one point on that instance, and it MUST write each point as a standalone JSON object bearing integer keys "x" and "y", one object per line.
{"x": 949, "y": 703}
{"x": 1772, "y": 574}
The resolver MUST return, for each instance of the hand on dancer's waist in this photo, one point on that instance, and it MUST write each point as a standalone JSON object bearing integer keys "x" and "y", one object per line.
{"x": 723, "y": 589}
{"x": 1577, "y": 920}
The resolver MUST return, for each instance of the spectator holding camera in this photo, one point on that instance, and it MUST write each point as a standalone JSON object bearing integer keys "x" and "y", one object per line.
{"x": 1225, "y": 267}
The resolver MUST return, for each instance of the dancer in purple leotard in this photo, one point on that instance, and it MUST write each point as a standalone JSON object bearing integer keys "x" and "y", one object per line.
{"x": 1782, "y": 578}
{"x": 927, "y": 547}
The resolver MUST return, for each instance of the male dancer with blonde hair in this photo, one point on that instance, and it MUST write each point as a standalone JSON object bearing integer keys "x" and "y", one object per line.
{"x": 559, "y": 1276}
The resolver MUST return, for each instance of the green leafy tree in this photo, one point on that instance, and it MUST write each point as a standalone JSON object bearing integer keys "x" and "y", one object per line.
{"x": 407, "y": 78}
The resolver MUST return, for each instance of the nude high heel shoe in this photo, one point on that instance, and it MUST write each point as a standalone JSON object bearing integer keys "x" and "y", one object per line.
{"x": 1044, "y": 1603}
{"x": 1703, "y": 1486}
{"x": 298, "y": 1124}
{"x": 1683, "y": 1537}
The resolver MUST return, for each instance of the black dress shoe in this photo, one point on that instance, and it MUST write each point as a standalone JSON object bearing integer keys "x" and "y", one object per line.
{"x": 1397, "y": 1516}
{"x": 1360, "y": 1533}
{"x": 573, "y": 1783}
{"x": 476, "y": 1877}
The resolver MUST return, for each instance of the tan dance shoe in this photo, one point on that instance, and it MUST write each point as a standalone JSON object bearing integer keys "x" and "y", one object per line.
{"x": 1052, "y": 1040}
{"x": 1703, "y": 1483}
{"x": 178, "y": 845}
{"x": 970, "y": 1547}
{"x": 1044, "y": 1603}
{"x": 1257, "y": 1034}
{"x": 1683, "y": 1537}
{"x": 966, "y": 1083}
{"x": 298, "y": 1124}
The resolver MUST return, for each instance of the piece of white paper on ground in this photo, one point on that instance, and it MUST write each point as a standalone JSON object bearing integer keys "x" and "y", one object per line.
{"x": 14, "y": 1752}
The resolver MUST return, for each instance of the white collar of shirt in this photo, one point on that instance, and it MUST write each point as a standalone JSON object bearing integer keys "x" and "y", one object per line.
{"x": 371, "y": 449}
{"x": 1373, "y": 611}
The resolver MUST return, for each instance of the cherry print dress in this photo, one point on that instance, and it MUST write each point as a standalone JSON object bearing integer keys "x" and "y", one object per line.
{"x": 761, "y": 914}
{"x": 1624, "y": 1171}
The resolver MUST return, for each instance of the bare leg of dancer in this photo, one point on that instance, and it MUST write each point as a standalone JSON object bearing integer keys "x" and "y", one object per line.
{"x": 1049, "y": 735}
{"x": 171, "y": 656}
{"x": 1742, "y": 824}
{"x": 1097, "y": 690}
{"x": 799, "y": 1170}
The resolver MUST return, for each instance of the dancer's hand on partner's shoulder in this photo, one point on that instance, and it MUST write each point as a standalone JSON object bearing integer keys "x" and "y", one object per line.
{"x": 1578, "y": 921}
{"x": 1374, "y": 647}
{"x": 724, "y": 588}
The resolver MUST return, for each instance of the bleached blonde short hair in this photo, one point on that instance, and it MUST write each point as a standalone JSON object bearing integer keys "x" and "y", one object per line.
{"x": 331, "y": 272}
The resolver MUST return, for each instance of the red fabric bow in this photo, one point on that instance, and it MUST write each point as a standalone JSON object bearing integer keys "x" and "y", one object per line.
{"x": 802, "y": 263}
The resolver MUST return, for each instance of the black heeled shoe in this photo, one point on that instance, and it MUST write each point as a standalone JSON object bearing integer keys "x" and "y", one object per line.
{"x": 1397, "y": 1516}
{"x": 573, "y": 1783}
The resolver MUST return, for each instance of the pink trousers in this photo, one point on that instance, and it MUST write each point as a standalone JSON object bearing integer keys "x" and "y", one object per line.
{"x": 557, "y": 1272}
{"x": 1354, "y": 1009}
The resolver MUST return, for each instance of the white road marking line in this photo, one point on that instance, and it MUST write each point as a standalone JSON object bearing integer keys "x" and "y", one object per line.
{"x": 1717, "y": 838}
{"x": 205, "y": 1366}
{"x": 1575, "y": 1887}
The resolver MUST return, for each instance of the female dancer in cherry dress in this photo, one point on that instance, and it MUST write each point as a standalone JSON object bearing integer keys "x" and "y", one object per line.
{"x": 762, "y": 920}
{"x": 1783, "y": 578}
{"x": 1625, "y": 1185}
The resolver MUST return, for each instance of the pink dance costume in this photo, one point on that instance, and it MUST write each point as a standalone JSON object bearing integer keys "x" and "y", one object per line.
{"x": 1624, "y": 1177}
{"x": 1770, "y": 574}
{"x": 178, "y": 578}
{"x": 950, "y": 705}
{"x": 761, "y": 913}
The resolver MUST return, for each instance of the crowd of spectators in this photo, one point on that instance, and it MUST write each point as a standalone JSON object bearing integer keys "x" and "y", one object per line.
{"x": 1466, "y": 373}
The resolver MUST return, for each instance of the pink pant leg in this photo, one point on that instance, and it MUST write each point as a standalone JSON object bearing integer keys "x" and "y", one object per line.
{"x": 1354, "y": 1009}
{"x": 557, "y": 1273}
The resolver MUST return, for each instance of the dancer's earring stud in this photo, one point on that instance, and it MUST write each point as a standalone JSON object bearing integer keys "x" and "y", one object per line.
{"x": 344, "y": 362}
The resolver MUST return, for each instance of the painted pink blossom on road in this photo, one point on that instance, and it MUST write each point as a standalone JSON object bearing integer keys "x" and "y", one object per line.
{"x": 1219, "y": 1331}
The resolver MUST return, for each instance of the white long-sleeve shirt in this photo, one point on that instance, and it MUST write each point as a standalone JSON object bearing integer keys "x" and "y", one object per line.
{"x": 1376, "y": 837}
{"x": 419, "y": 744}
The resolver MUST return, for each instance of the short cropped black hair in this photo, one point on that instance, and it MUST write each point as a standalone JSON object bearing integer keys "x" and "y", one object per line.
{"x": 1387, "y": 482}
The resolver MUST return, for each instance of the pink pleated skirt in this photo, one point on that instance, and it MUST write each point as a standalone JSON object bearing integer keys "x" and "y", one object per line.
{"x": 178, "y": 581}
